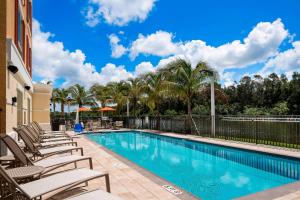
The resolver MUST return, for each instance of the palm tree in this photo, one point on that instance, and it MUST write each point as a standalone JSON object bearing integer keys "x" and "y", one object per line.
{"x": 153, "y": 87}
{"x": 118, "y": 92}
{"x": 184, "y": 81}
{"x": 134, "y": 93}
{"x": 54, "y": 98}
{"x": 61, "y": 96}
{"x": 81, "y": 97}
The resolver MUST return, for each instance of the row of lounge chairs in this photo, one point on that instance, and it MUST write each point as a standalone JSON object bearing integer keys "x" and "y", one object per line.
{"x": 48, "y": 150}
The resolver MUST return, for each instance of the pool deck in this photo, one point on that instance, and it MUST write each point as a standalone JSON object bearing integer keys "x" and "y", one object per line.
{"x": 132, "y": 182}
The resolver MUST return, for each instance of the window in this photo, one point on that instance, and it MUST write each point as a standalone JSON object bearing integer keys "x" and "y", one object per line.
{"x": 20, "y": 30}
{"x": 28, "y": 57}
{"x": 29, "y": 13}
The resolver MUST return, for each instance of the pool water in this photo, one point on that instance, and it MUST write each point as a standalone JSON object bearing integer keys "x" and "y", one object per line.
{"x": 207, "y": 171}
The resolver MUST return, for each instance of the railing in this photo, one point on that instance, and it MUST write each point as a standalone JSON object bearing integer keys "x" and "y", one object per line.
{"x": 283, "y": 131}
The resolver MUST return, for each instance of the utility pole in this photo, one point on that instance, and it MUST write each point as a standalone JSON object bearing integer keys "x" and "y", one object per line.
{"x": 127, "y": 103}
{"x": 212, "y": 106}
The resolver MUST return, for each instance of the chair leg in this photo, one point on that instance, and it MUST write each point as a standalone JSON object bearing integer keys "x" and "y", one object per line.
{"x": 91, "y": 163}
{"x": 107, "y": 183}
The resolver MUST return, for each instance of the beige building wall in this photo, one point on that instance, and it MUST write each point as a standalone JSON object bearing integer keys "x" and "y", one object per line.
{"x": 20, "y": 112}
{"x": 41, "y": 103}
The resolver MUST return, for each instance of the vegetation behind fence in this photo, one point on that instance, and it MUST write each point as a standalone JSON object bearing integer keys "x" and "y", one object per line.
{"x": 283, "y": 131}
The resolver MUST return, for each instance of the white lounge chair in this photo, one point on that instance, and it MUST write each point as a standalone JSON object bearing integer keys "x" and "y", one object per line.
{"x": 55, "y": 183}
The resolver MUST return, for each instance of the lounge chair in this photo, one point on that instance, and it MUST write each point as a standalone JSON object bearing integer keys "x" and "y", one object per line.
{"x": 38, "y": 152}
{"x": 40, "y": 142}
{"x": 39, "y": 128}
{"x": 43, "y": 134}
{"x": 48, "y": 163}
{"x": 95, "y": 194}
{"x": 55, "y": 183}
{"x": 119, "y": 124}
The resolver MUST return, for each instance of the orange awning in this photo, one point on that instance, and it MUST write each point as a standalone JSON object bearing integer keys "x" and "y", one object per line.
{"x": 106, "y": 109}
{"x": 82, "y": 109}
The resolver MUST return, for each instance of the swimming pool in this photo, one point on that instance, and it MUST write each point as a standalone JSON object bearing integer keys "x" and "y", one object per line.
{"x": 210, "y": 172}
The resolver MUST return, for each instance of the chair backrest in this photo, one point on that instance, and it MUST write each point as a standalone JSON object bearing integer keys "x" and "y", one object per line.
{"x": 32, "y": 133}
{"x": 36, "y": 128}
{"x": 29, "y": 144}
{"x": 12, "y": 183}
{"x": 16, "y": 150}
{"x": 37, "y": 125}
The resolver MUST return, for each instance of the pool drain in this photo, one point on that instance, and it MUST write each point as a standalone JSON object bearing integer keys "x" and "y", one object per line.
{"x": 172, "y": 189}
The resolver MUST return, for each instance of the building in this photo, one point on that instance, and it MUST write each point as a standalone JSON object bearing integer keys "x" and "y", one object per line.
{"x": 16, "y": 87}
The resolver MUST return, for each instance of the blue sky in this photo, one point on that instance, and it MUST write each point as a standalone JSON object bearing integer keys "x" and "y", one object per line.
{"x": 197, "y": 30}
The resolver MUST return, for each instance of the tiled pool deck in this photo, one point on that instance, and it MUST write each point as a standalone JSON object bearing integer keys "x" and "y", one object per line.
{"x": 130, "y": 181}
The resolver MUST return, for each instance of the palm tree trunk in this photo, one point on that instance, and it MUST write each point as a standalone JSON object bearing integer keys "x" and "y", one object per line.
{"x": 54, "y": 106}
{"x": 62, "y": 108}
{"x": 157, "y": 117}
{"x": 189, "y": 118}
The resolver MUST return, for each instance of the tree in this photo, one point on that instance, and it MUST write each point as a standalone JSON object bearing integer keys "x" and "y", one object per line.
{"x": 153, "y": 87}
{"x": 118, "y": 93}
{"x": 61, "y": 96}
{"x": 184, "y": 81}
{"x": 294, "y": 98}
{"x": 54, "y": 98}
{"x": 280, "y": 108}
{"x": 81, "y": 97}
{"x": 134, "y": 93}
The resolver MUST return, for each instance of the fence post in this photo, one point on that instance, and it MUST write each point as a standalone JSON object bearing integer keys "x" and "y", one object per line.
{"x": 256, "y": 131}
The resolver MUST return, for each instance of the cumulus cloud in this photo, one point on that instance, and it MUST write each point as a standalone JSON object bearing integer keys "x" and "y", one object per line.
{"x": 143, "y": 68}
{"x": 117, "y": 12}
{"x": 260, "y": 44}
{"x": 117, "y": 50}
{"x": 158, "y": 44}
{"x": 227, "y": 78}
{"x": 284, "y": 62}
{"x": 51, "y": 61}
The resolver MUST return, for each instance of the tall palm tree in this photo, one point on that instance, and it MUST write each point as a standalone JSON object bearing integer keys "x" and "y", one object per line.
{"x": 134, "y": 93}
{"x": 54, "y": 98}
{"x": 62, "y": 99}
{"x": 118, "y": 92}
{"x": 153, "y": 87}
{"x": 184, "y": 81}
{"x": 81, "y": 97}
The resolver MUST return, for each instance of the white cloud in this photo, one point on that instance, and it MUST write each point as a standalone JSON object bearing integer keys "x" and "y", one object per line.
{"x": 227, "y": 78}
{"x": 51, "y": 61}
{"x": 143, "y": 68}
{"x": 285, "y": 62}
{"x": 92, "y": 16}
{"x": 158, "y": 44}
{"x": 118, "y": 12}
{"x": 260, "y": 44}
{"x": 111, "y": 72}
{"x": 117, "y": 50}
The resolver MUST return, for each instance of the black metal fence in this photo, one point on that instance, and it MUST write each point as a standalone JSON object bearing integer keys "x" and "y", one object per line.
{"x": 283, "y": 131}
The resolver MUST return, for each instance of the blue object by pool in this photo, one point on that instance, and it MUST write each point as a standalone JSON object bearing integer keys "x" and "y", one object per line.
{"x": 78, "y": 128}
{"x": 210, "y": 172}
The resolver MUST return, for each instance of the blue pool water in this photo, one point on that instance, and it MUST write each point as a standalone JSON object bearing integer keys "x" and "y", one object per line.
{"x": 207, "y": 171}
